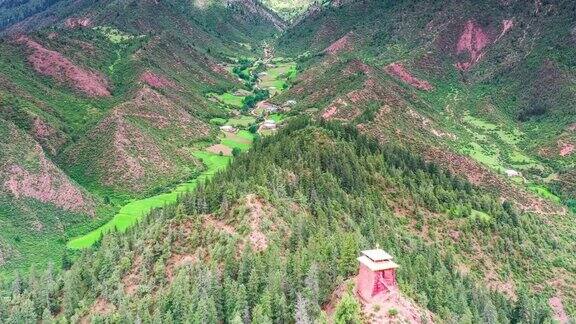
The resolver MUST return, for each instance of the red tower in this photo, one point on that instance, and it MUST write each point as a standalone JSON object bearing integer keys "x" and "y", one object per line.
{"x": 377, "y": 274}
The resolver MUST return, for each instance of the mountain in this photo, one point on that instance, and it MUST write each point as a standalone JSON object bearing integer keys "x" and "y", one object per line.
{"x": 486, "y": 82}
{"x": 225, "y": 161}
{"x": 109, "y": 100}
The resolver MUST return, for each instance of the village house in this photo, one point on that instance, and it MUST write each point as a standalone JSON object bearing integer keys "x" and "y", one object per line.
{"x": 269, "y": 124}
{"x": 377, "y": 274}
{"x": 228, "y": 129}
{"x": 512, "y": 173}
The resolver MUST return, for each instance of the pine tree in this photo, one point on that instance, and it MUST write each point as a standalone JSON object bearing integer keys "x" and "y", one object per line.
{"x": 348, "y": 311}
{"x": 301, "y": 310}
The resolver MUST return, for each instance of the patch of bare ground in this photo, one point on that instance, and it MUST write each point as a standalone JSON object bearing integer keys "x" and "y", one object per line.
{"x": 473, "y": 40}
{"x": 100, "y": 307}
{"x": 44, "y": 182}
{"x": 566, "y": 148}
{"x": 342, "y": 45}
{"x": 54, "y": 64}
{"x": 177, "y": 261}
{"x": 260, "y": 221}
{"x": 377, "y": 311}
{"x": 399, "y": 71}
{"x": 78, "y": 22}
{"x": 219, "y": 225}
{"x": 131, "y": 280}
{"x": 257, "y": 238}
{"x": 558, "y": 310}
{"x": 156, "y": 81}
{"x": 49, "y": 137}
{"x": 347, "y": 106}
{"x": 220, "y": 149}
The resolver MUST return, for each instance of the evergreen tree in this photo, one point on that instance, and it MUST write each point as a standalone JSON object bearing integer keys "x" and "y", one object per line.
{"x": 348, "y": 311}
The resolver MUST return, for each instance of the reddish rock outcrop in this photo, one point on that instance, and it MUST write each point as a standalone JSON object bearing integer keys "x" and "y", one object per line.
{"x": 54, "y": 64}
{"x": 38, "y": 178}
{"x": 399, "y": 71}
{"x": 78, "y": 22}
{"x": 472, "y": 41}
{"x": 155, "y": 80}
{"x": 344, "y": 44}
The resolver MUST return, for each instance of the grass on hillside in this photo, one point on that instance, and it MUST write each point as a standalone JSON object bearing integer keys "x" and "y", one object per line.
{"x": 230, "y": 99}
{"x": 114, "y": 35}
{"x": 544, "y": 192}
{"x": 132, "y": 212}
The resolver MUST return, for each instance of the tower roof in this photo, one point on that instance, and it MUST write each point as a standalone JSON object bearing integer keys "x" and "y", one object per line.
{"x": 377, "y": 255}
{"x": 377, "y": 265}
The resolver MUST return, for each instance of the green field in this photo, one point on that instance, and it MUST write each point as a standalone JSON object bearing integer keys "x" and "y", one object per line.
{"x": 279, "y": 76}
{"x": 131, "y": 213}
{"x": 242, "y": 140}
{"x": 241, "y": 121}
{"x": 230, "y": 99}
{"x": 218, "y": 121}
{"x": 278, "y": 118}
{"x": 544, "y": 192}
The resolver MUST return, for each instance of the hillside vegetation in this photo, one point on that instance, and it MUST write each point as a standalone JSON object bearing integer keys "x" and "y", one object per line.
{"x": 488, "y": 81}
{"x": 113, "y": 101}
{"x": 224, "y": 161}
{"x": 265, "y": 237}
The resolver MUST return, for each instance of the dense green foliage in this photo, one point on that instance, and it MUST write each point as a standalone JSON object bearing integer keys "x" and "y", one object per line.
{"x": 12, "y": 12}
{"x": 332, "y": 193}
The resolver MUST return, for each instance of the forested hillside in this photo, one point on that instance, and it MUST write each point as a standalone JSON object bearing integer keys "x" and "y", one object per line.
{"x": 13, "y": 11}
{"x": 269, "y": 239}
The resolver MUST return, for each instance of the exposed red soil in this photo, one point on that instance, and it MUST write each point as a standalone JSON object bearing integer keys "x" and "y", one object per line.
{"x": 325, "y": 32}
{"x": 507, "y": 24}
{"x": 47, "y": 185}
{"x": 566, "y": 149}
{"x": 258, "y": 239}
{"x": 78, "y": 22}
{"x": 331, "y": 111}
{"x": 100, "y": 307}
{"x": 344, "y": 44}
{"x": 219, "y": 225}
{"x": 43, "y": 182}
{"x": 472, "y": 41}
{"x": 54, "y": 64}
{"x": 376, "y": 311}
{"x": 155, "y": 80}
{"x": 398, "y": 70}
{"x": 50, "y": 138}
{"x": 131, "y": 280}
{"x": 558, "y": 310}
{"x": 177, "y": 261}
